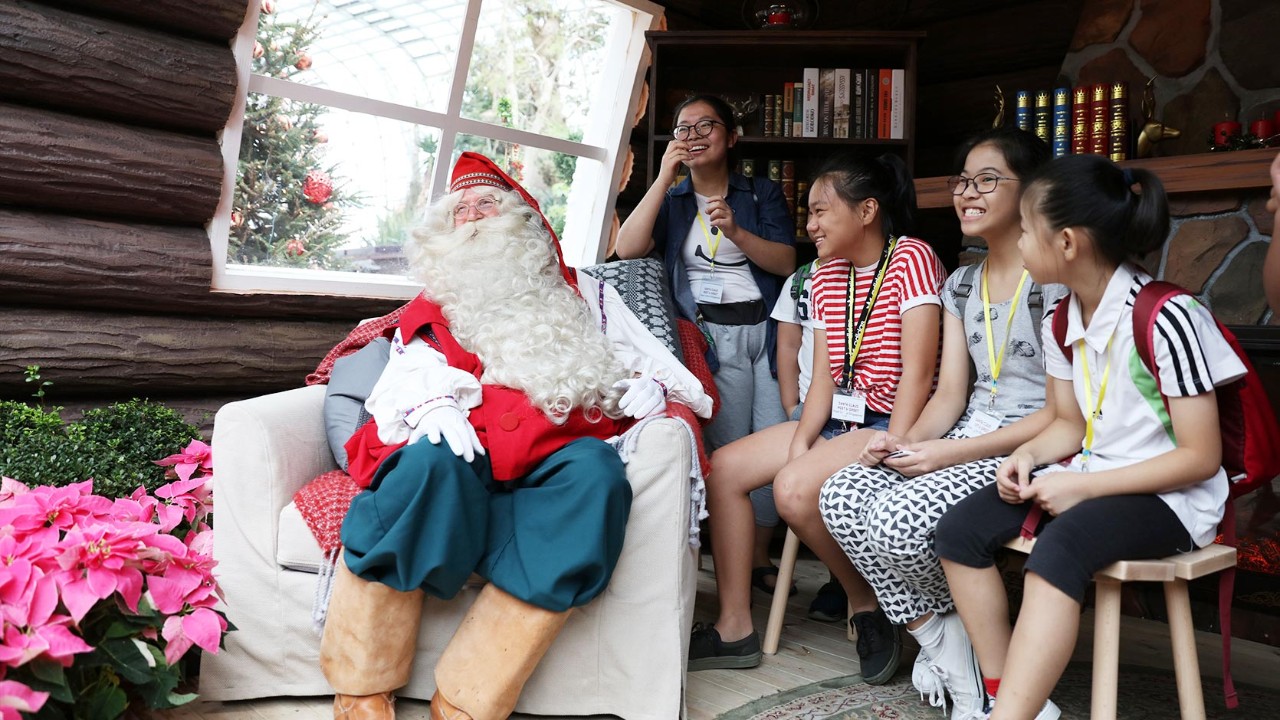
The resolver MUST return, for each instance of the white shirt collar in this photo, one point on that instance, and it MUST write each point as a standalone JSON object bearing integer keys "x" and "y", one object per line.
{"x": 1107, "y": 315}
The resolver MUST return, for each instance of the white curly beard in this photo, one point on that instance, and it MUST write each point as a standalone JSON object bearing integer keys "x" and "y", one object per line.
{"x": 498, "y": 282}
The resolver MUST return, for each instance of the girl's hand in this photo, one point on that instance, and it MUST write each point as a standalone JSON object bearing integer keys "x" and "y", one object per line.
{"x": 676, "y": 154}
{"x": 798, "y": 447}
{"x": 925, "y": 457}
{"x": 1012, "y": 476}
{"x": 1057, "y": 492}
{"x": 720, "y": 215}
{"x": 880, "y": 444}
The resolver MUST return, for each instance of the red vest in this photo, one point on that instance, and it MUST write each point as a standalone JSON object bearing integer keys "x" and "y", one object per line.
{"x": 516, "y": 435}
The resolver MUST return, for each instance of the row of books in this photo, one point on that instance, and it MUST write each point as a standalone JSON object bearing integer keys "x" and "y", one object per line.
{"x": 1093, "y": 119}
{"x": 794, "y": 191}
{"x": 865, "y": 104}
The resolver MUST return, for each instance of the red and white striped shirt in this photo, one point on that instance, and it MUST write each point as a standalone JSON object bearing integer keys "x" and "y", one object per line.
{"x": 914, "y": 277}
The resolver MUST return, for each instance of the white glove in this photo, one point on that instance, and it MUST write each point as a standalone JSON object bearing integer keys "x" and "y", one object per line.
{"x": 644, "y": 396}
{"x": 448, "y": 422}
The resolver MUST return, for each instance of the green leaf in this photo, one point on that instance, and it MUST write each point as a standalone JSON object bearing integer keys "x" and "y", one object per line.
{"x": 102, "y": 702}
{"x": 48, "y": 676}
{"x": 127, "y": 659}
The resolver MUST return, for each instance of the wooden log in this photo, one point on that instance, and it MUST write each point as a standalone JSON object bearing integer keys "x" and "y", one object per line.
{"x": 91, "y": 354}
{"x": 60, "y": 261}
{"x": 60, "y": 162}
{"x": 99, "y": 68}
{"x": 216, "y": 20}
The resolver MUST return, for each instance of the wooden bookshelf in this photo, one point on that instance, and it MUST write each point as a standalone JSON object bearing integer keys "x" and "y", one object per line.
{"x": 1205, "y": 172}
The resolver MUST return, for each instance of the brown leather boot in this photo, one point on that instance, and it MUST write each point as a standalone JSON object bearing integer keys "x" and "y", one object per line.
{"x": 492, "y": 654}
{"x": 367, "y": 649}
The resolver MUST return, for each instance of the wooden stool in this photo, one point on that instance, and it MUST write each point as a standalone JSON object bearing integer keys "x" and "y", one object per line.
{"x": 781, "y": 593}
{"x": 1173, "y": 572}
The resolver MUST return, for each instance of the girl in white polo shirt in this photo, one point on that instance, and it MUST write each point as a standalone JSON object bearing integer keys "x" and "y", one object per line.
{"x": 1142, "y": 482}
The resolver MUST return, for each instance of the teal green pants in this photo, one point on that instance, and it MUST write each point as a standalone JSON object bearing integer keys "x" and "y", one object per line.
{"x": 429, "y": 519}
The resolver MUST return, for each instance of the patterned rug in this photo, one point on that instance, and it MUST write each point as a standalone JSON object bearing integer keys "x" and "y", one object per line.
{"x": 1145, "y": 694}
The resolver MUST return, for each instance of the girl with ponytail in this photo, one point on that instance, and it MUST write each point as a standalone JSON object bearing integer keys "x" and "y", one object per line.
{"x": 876, "y": 306}
{"x": 1138, "y": 481}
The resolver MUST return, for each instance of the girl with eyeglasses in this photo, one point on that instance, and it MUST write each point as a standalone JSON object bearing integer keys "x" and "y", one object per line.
{"x": 883, "y": 509}
{"x": 727, "y": 242}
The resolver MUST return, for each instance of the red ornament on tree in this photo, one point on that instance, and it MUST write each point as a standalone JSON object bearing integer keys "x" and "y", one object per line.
{"x": 317, "y": 186}
{"x": 304, "y": 61}
{"x": 258, "y": 50}
{"x": 268, "y": 6}
{"x": 295, "y": 247}
{"x": 237, "y": 219}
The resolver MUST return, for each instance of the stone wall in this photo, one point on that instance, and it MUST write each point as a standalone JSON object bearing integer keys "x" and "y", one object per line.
{"x": 1212, "y": 60}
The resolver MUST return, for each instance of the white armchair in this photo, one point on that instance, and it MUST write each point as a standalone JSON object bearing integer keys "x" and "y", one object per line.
{"x": 623, "y": 654}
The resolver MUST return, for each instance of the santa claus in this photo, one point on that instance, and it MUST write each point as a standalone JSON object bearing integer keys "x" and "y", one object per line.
{"x": 486, "y": 454}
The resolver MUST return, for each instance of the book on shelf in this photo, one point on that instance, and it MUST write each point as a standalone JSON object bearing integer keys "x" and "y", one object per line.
{"x": 826, "y": 102}
{"x": 1061, "y": 122}
{"x": 1079, "y": 120}
{"x": 1118, "y": 121}
{"x": 748, "y": 167}
{"x": 768, "y": 115}
{"x": 1040, "y": 116}
{"x": 884, "y": 104}
{"x": 775, "y": 170}
{"x": 897, "y": 110}
{"x": 1022, "y": 110}
{"x": 843, "y": 105}
{"x": 858, "y": 113}
{"x": 777, "y": 115}
{"x": 788, "y": 182}
{"x": 797, "y": 109}
{"x": 810, "y": 103}
{"x": 872, "y": 123}
{"x": 1099, "y": 131}
{"x": 802, "y": 209}
{"x": 788, "y": 101}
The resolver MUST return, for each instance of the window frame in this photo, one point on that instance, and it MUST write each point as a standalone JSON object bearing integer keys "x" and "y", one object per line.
{"x": 605, "y": 142}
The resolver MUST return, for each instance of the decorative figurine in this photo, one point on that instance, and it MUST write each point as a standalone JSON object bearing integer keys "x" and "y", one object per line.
{"x": 1153, "y": 131}
{"x": 999, "y": 121}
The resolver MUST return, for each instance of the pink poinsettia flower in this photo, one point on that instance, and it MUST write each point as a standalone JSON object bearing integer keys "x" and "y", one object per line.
{"x": 98, "y": 561}
{"x": 55, "y": 507}
{"x": 143, "y": 508}
{"x": 185, "y": 583}
{"x": 193, "y": 495}
{"x": 10, "y": 488}
{"x": 16, "y": 698}
{"x": 203, "y": 627}
{"x": 196, "y": 455}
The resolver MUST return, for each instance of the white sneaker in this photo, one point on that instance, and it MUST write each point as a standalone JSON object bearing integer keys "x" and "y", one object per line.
{"x": 1050, "y": 711}
{"x": 928, "y": 684}
{"x": 956, "y": 665}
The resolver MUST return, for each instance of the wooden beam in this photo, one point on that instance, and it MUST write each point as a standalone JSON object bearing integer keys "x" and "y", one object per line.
{"x": 88, "y": 354}
{"x": 60, "y": 162}
{"x": 59, "y": 261}
{"x": 216, "y": 20}
{"x": 99, "y": 68}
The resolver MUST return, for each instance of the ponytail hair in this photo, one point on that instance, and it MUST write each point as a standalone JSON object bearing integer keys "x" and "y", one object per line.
{"x": 886, "y": 178}
{"x": 1125, "y": 211}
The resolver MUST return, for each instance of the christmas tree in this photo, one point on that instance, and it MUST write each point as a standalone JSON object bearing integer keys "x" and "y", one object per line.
{"x": 288, "y": 208}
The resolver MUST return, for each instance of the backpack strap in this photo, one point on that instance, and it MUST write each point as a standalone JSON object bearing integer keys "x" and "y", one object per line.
{"x": 1146, "y": 310}
{"x": 1060, "y": 326}
{"x": 964, "y": 288}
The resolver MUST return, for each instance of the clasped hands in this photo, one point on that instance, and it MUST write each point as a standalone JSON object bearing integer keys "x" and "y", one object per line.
{"x": 643, "y": 396}
{"x": 909, "y": 459}
{"x": 449, "y": 423}
{"x": 1056, "y": 492}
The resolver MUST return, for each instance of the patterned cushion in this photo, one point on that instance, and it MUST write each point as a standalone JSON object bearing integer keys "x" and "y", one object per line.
{"x": 642, "y": 284}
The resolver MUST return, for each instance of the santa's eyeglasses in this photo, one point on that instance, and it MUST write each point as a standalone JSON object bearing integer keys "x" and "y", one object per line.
{"x": 483, "y": 205}
{"x": 702, "y": 128}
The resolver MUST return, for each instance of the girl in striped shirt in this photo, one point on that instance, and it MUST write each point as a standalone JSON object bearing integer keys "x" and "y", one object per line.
{"x": 1141, "y": 481}
{"x": 875, "y": 298}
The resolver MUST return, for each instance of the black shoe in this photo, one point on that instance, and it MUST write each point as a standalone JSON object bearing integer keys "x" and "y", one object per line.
{"x": 708, "y": 652}
{"x": 830, "y": 604}
{"x": 879, "y": 646}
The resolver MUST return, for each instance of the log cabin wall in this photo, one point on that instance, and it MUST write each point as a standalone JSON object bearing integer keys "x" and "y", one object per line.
{"x": 109, "y": 169}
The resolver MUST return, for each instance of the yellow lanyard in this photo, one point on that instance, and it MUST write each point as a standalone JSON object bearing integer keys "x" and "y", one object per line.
{"x": 997, "y": 361}
{"x": 712, "y": 245}
{"x": 1087, "y": 451}
{"x": 853, "y": 334}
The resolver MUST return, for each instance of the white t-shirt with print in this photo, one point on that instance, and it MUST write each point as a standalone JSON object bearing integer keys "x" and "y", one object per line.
{"x": 799, "y": 311}
{"x": 731, "y": 264}
{"x": 1191, "y": 356}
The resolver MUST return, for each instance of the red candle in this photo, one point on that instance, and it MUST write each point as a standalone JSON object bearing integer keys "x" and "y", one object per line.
{"x": 1262, "y": 128}
{"x": 1224, "y": 130}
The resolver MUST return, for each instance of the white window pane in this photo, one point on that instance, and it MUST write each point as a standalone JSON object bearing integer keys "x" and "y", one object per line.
{"x": 378, "y": 175}
{"x": 536, "y": 64}
{"x": 400, "y": 51}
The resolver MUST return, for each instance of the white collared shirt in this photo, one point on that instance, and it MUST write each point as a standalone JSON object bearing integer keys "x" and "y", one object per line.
{"x": 1191, "y": 356}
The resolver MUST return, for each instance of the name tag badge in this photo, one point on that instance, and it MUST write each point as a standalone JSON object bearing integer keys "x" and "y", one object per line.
{"x": 849, "y": 405}
{"x": 981, "y": 423}
{"x": 711, "y": 290}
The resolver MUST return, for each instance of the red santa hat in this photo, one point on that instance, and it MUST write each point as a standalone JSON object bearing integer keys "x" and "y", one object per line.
{"x": 473, "y": 169}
